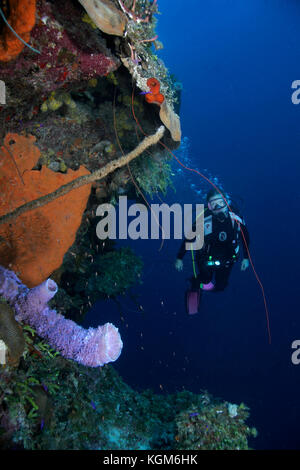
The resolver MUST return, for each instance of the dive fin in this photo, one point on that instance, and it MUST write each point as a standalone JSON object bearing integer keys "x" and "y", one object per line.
{"x": 192, "y": 301}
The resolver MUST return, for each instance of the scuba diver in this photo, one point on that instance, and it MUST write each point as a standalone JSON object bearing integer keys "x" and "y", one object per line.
{"x": 220, "y": 251}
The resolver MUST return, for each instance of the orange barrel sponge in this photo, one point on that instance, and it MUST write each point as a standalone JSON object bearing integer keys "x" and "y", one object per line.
{"x": 34, "y": 244}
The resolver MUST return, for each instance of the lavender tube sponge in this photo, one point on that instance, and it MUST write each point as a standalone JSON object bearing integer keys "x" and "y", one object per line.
{"x": 91, "y": 347}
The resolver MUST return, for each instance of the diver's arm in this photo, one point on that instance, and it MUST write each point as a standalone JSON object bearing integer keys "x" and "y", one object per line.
{"x": 182, "y": 251}
{"x": 245, "y": 244}
{"x": 180, "y": 255}
{"x": 245, "y": 239}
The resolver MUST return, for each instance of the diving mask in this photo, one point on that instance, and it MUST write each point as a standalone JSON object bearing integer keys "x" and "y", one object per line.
{"x": 216, "y": 204}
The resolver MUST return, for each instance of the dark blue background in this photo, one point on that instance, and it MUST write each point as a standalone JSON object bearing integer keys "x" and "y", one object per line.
{"x": 236, "y": 61}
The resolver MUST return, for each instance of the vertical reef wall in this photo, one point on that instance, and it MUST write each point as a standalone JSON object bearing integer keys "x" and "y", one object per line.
{"x": 87, "y": 112}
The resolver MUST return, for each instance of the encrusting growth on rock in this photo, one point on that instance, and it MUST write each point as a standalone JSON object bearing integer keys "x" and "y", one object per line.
{"x": 22, "y": 20}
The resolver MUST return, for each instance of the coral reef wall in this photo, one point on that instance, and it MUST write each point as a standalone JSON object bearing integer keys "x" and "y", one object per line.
{"x": 83, "y": 87}
{"x": 51, "y": 403}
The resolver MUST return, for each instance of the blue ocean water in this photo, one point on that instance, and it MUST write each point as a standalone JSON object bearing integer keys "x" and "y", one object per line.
{"x": 236, "y": 62}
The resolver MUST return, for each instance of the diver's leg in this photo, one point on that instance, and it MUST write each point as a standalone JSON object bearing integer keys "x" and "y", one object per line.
{"x": 204, "y": 276}
{"x": 222, "y": 275}
{"x": 193, "y": 295}
{"x": 205, "y": 273}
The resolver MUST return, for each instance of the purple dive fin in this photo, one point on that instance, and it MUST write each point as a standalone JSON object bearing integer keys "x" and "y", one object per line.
{"x": 192, "y": 301}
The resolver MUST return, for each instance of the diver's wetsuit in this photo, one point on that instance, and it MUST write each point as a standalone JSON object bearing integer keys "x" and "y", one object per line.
{"x": 222, "y": 237}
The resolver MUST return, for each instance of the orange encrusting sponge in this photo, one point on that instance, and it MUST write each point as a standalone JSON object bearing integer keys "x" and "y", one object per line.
{"x": 154, "y": 96}
{"x": 22, "y": 20}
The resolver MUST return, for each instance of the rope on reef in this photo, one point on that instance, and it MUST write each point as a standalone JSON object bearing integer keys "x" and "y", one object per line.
{"x": 86, "y": 179}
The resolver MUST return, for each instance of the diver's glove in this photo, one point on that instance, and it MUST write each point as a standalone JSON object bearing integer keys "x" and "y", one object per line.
{"x": 245, "y": 264}
{"x": 179, "y": 264}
